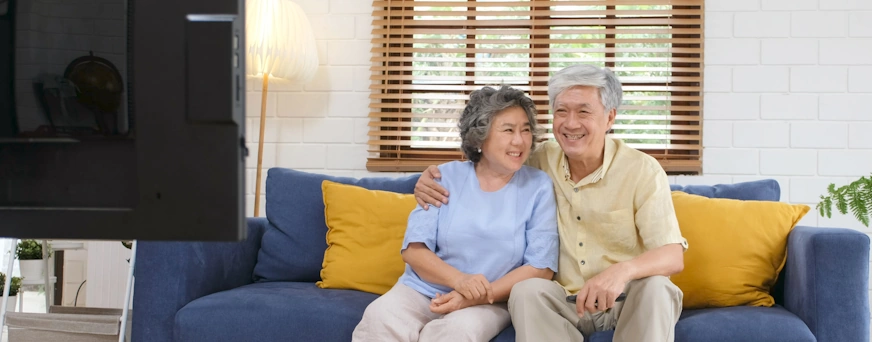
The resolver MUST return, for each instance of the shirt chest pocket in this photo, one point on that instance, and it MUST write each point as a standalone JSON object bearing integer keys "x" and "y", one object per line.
{"x": 616, "y": 230}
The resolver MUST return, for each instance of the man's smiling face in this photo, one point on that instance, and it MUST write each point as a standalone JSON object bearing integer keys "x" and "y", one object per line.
{"x": 580, "y": 122}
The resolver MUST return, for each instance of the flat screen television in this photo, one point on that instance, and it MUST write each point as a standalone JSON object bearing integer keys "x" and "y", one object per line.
{"x": 122, "y": 119}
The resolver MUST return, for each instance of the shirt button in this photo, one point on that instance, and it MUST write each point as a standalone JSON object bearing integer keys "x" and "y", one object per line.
{"x": 576, "y": 189}
{"x": 580, "y": 244}
{"x": 578, "y": 218}
{"x": 582, "y": 262}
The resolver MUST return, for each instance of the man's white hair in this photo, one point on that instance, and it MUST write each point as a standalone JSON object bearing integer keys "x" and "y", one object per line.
{"x": 603, "y": 79}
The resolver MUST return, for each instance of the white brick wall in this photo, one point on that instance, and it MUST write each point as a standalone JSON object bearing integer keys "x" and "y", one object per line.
{"x": 790, "y": 51}
{"x": 860, "y": 79}
{"x": 818, "y": 79}
{"x": 789, "y": 5}
{"x": 760, "y": 79}
{"x": 320, "y": 126}
{"x": 761, "y": 24}
{"x": 819, "y": 24}
{"x": 789, "y": 106}
{"x": 797, "y": 96}
{"x": 788, "y": 85}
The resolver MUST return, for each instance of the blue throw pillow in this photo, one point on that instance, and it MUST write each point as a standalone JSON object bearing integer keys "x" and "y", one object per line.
{"x": 294, "y": 250}
{"x": 761, "y": 190}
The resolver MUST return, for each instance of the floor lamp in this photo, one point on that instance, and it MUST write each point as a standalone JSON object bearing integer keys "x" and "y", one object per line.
{"x": 279, "y": 45}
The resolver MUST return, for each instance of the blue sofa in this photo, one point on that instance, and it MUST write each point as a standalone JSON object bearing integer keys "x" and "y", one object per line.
{"x": 263, "y": 288}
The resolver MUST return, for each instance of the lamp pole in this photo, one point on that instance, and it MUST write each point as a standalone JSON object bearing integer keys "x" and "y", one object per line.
{"x": 260, "y": 145}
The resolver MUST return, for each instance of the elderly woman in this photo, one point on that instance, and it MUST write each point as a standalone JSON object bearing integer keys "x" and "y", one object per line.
{"x": 500, "y": 228}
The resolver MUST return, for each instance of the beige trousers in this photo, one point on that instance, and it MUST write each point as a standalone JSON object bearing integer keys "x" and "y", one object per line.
{"x": 540, "y": 312}
{"x": 403, "y": 314}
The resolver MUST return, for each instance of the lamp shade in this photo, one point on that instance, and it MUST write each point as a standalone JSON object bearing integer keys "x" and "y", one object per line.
{"x": 279, "y": 41}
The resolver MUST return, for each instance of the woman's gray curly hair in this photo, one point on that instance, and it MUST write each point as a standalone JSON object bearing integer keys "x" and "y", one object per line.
{"x": 483, "y": 105}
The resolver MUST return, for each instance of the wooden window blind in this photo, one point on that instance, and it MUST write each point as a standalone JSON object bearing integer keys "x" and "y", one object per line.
{"x": 429, "y": 55}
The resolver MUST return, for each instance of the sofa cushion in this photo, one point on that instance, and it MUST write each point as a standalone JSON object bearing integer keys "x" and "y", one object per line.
{"x": 365, "y": 230}
{"x": 278, "y": 311}
{"x": 737, "y": 249}
{"x": 740, "y": 323}
{"x": 273, "y": 311}
{"x": 761, "y": 190}
{"x": 294, "y": 251}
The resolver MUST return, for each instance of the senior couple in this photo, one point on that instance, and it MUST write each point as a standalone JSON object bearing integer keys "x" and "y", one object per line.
{"x": 528, "y": 226}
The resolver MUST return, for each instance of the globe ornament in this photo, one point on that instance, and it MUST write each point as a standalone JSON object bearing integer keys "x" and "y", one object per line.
{"x": 98, "y": 83}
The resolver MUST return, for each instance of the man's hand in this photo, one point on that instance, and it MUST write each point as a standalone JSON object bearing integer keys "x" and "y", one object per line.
{"x": 427, "y": 191}
{"x": 453, "y": 301}
{"x": 600, "y": 292}
{"x": 474, "y": 287}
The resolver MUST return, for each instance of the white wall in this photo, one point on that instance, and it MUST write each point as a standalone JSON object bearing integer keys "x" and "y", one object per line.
{"x": 787, "y": 87}
{"x": 322, "y": 125}
{"x": 106, "y": 276}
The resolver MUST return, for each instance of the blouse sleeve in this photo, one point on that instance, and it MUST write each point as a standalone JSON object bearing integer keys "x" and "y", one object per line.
{"x": 541, "y": 230}
{"x": 422, "y": 227}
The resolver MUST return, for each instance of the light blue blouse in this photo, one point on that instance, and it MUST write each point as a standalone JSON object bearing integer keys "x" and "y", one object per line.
{"x": 489, "y": 233}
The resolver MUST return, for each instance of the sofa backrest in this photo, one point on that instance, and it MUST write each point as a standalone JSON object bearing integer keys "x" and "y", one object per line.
{"x": 294, "y": 250}
{"x": 761, "y": 190}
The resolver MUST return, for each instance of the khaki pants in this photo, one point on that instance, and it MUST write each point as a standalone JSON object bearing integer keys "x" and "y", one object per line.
{"x": 403, "y": 314}
{"x": 540, "y": 312}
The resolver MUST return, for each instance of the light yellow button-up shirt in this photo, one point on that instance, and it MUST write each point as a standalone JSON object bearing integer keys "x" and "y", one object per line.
{"x": 616, "y": 213}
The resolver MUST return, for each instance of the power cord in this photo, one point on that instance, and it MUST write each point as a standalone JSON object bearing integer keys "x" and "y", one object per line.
{"x": 76, "y": 301}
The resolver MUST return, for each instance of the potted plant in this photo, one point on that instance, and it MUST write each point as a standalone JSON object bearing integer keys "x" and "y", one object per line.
{"x": 856, "y": 196}
{"x": 29, "y": 254}
{"x": 14, "y": 286}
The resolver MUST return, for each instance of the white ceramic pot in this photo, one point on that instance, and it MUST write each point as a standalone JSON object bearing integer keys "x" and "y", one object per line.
{"x": 32, "y": 269}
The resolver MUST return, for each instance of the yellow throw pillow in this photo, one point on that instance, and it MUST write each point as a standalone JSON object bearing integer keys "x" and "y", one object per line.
{"x": 737, "y": 248}
{"x": 365, "y": 230}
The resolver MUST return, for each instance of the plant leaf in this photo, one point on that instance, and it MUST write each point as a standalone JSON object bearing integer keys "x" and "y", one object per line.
{"x": 820, "y": 205}
{"x": 866, "y": 191}
{"x": 829, "y": 207}
{"x": 841, "y": 200}
{"x": 858, "y": 208}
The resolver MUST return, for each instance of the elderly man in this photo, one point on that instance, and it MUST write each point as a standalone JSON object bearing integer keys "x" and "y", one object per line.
{"x": 617, "y": 225}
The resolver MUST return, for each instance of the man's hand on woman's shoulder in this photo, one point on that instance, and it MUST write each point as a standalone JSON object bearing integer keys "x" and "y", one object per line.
{"x": 428, "y": 191}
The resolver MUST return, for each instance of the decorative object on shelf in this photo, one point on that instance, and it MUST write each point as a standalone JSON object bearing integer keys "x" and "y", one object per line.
{"x": 99, "y": 87}
{"x": 279, "y": 45}
{"x": 857, "y": 196}
{"x": 14, "y": 286}
{"x": 29, "y": 254}
{"x": 85, "y": 101}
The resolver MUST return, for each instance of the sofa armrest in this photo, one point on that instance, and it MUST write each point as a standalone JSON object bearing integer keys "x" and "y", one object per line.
{"x": 827, "y": 282}
{"x": 169, "y": 275}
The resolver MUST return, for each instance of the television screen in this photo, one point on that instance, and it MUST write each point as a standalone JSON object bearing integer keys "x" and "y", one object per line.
{"x": 122, "y": 119}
